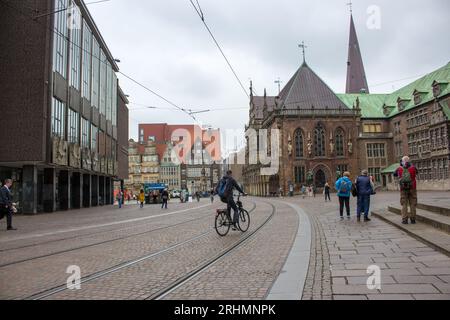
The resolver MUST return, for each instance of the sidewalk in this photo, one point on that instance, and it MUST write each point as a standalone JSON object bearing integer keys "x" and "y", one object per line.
{"x": 343, "y": 251}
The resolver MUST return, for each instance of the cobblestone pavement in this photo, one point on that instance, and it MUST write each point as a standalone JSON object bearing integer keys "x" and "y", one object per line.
{"x": 343, "y": 250}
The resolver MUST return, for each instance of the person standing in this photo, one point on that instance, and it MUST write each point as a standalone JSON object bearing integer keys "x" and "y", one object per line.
{"x": 327, "y": 192}
{"x": 6, "y": 204}
{"x": 120, "y": 198}
{"x": 165, "y": 199}
{"x": 344, "y": 187}
{"x": 407, "y": 174}
{"x": 212, "y": 195}
{"x": 364, "y": 190}
{"x": 142, "y": 198}
{"x": 303, "y": 191}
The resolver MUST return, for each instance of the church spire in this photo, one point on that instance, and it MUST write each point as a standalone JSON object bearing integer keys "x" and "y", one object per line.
{"x": 356, "y": 76}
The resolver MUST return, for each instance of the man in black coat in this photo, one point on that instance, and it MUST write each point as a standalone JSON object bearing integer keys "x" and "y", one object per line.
{"x": 227, "y": 198}
{"x": 6, "y": 204}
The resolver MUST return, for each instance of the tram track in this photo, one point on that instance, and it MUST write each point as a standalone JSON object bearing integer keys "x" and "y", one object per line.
{"x": 108, "y": 271}
{"x": 108, "y": 241}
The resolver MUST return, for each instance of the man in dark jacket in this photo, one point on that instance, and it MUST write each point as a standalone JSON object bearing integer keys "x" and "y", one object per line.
{"x": 231, "y": 184}
{"x": 408, "y": 189}
{"x": 6, "y": 204}
{"x": 365, "y": 190}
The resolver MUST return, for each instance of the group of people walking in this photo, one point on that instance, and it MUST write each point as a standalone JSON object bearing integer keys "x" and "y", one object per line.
{"x": 363, "y": 189}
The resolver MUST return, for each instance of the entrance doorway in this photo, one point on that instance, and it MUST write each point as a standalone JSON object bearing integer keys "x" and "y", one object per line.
{"x": 320, "y": 179}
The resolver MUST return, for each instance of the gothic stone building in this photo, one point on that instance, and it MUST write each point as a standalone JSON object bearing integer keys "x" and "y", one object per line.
{"x": 323, "y": 134}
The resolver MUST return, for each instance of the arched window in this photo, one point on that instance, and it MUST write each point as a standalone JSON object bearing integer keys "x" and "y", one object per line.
{"x": 298, "y": 144}
{"x": 319, "y": 141}
{"x": 340, "y": 142}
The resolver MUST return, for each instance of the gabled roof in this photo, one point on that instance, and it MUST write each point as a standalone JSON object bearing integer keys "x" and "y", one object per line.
{"x": 306, "y": 90}
{"x": 356, "y": 75}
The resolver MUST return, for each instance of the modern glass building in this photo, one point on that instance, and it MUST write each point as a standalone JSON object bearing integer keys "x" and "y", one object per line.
{"x": 63, "y": 116}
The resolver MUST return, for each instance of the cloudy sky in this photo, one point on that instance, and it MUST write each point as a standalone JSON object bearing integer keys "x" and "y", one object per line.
{"x": 164, "y": 45}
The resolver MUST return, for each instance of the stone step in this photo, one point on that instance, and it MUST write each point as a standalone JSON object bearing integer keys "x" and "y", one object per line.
{"x": 433, "y": 219}
{"x": 425, "y": 233}
{"x": 433, "y": 208}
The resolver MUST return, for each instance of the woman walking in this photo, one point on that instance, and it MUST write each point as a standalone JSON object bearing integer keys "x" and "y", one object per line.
{"x": 327, "y": 192}
{"x": 142, "y": 198}
{"x": 365, "y": 190}
{"x": 344, "y": 187}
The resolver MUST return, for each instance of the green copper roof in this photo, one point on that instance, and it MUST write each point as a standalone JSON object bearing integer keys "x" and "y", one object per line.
{"x": 368, "y": 103}
{"x": 391, "y": 169}
{"x": 372, "y": 105}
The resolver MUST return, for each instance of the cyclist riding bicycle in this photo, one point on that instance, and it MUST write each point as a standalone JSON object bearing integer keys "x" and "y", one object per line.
{"x": 225, "y": 191}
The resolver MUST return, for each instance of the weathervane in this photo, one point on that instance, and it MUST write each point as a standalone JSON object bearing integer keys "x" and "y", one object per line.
{"x": 350, "y": 4}
{"x": 303, "y": 47}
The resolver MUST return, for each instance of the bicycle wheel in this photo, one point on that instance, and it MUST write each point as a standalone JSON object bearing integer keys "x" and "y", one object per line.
{"x": 244, "y": 220}
{"x": 222, "y": 225}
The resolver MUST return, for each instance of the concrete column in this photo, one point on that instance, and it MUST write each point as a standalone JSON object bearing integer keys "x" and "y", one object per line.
{"x": 49, "y": 190}
{"x": 101, "y": 190}
{"x": 29, "y": 190}
{"x": 64, "y": 190}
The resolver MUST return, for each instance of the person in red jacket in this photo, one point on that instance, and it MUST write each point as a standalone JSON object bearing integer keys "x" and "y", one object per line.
{"x": 408, "y": 189}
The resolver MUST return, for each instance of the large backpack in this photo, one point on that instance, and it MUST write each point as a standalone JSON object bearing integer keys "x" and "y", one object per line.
{"x": 344, "y": 187}
{"x": 223, "y": 186}
{"x": 405, "y": 180}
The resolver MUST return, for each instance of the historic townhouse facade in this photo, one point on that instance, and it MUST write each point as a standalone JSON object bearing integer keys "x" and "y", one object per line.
{"x": 64, "y": 117}
{"x": 323, "y": 134}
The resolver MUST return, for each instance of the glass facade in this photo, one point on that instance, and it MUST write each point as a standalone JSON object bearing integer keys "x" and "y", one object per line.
{"x": 87, "y": 60}
{"x": 60, "y": 40}
{"x": 75, "y": 47}
{"x": 94, "y": 138}
{"x": 85, "y": 128}
{"x": 58, "y": 118}
{"x": 74, "y": 126}
{"x": 95, "y": 74}
{"x": 109, "y": 80}
{"x": 103, "y": 73}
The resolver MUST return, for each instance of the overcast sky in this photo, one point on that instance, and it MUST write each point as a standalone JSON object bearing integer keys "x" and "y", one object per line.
{"x": 164, "y": 45}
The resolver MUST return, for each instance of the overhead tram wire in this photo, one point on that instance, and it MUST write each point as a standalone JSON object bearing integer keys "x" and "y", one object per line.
{"x": 202, "y": 17}
{"x": 31, "y": 18}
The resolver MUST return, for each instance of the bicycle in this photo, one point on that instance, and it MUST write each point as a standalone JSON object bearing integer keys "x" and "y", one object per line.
{"x": 224, "y": 222}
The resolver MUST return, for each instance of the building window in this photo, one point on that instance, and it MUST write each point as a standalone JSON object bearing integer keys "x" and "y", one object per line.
{"x": 376, "y": 150}
{"x": 319, "y": 141}
{"x": 94, "y": 138}
{"x": 58, "y": 118}
{"x": 342, "y": 169}
{"x": 399, "y": 149}
{"x": 74, "y": 122}
{"x": 85, "y": 126}
{"x": 114, "y": 99}
{"x": 298, "y": 144}
{"x": 372, "y": 128}
{"x": 103, "y": 73}
{"x": 376, "y": 174}
{"x": 340, "y": 143}
{"x": 60, "y": 40}
{"x": 95, "y": 73}
{"x": 109, "y": 93}
{"x": 86, "y": 64}
{"x": 299, "y": 175}
{"x": 75, "y": 48}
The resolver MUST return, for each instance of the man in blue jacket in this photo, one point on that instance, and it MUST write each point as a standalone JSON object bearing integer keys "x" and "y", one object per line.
{"x": 344, "y": 187}
{"x": 365, "y": 190}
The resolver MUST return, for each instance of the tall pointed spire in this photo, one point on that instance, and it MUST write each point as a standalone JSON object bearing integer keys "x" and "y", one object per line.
{"x": 356, "y": 76}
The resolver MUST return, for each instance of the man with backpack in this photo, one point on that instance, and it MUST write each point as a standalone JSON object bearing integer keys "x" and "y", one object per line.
{"x": 364, "y": 190}
{"x": 225, "y": 191}
{"x": 406, "y": 174}
{"x": 344, "y": 187}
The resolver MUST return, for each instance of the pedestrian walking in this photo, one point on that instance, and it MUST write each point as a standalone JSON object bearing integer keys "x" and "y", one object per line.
{"x": 7, "y": 207}
{"x": 314, "y": 190}
{"x": 327, "y": 191}
{"x": 407, "y": 174}
{"x": 344, "y": 187}
{"x": 212, "y": 195}
{"x": 142, "y": 198}
{"x": 119, "y": 198}
{"x": 165, "y": 199}
{"x": 365, "y": 190}
{"x": 303, "y": 191}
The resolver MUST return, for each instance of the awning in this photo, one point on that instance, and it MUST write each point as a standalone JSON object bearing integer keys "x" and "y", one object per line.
{"x": 391, "y": 169}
